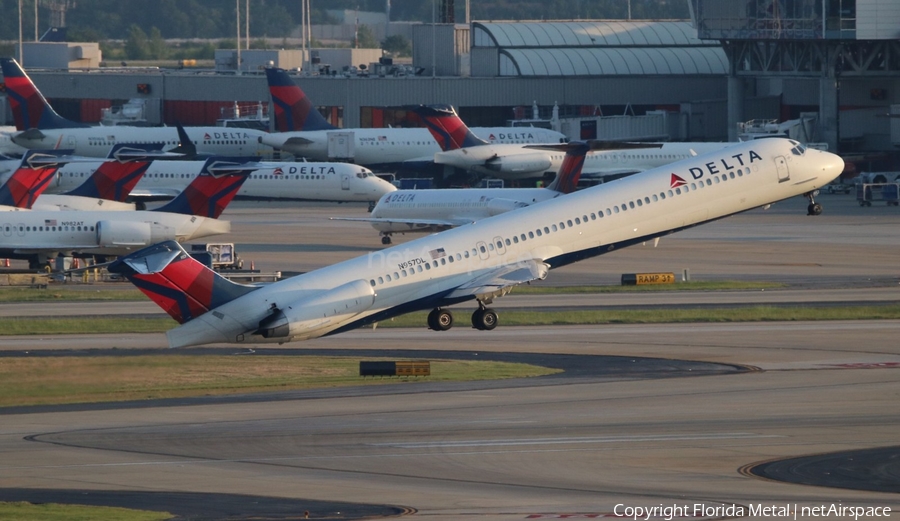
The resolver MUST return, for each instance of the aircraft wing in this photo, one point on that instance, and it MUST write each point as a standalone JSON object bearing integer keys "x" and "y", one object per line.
{"x": 413, "y": 223}
{"x": 500, "y": 280}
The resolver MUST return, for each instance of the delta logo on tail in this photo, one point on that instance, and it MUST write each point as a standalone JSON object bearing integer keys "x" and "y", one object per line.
{"x": 450, "y": 132}
{"x": 570, "y": 173}
{"x": 33, "y": 176}
{"x": 183, "y": 288}
{"x": 30, "y": 108}
{"x": 216, "y": 185}
{"x": 293, "y": 110}
{"x": 112, "y": 180}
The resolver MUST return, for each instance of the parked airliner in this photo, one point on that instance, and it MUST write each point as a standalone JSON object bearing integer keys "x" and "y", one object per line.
{"x": 427, "y": 211}
{"x": 479, "y": 261}
{"x": 38, "y": 235}
{"x": 462, "y": 148}
{"x": 338, "y": 182}
{"x": 304, "y": 132}
{"x": 104, "y": 189}
{"x": 42, "y": 128}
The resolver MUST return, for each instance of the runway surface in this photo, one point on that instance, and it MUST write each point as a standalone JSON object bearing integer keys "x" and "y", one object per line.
{"x": 525, "y": 449}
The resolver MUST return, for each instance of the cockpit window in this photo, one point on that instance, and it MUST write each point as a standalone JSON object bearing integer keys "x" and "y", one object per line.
{"x": 798, "y": 150}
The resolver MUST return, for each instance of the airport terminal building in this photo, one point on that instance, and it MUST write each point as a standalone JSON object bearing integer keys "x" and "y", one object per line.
{"x": 736, "y": 61}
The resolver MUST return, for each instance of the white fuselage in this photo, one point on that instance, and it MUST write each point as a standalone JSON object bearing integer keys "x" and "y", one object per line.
{"x": 518, "y": 162}
{"x": 97, "y": 141}
{"x": 342, "y": 182}
{"x": 409, "y": 211}
{"x": 441, "y": 269}
{"x": 374, "y": 147}
{"x": 98, "y": 232}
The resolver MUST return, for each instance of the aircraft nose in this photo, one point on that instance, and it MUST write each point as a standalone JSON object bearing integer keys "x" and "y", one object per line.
{"x": 832, "y": 165}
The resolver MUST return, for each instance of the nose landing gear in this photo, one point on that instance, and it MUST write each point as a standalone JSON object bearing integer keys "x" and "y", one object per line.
{"x": 814, "y": 208}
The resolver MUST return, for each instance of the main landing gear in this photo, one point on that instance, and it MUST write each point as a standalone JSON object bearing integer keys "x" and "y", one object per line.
{"x": 484, "y": 319}
{"x": 814, "y": 208}
{"x": 440, "y": 319}
{"x": 385, "y": 239}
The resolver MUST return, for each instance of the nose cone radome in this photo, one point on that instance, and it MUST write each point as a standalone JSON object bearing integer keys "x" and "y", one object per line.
{"x": 381, "y": 187}
{"x": 832, "y": 165}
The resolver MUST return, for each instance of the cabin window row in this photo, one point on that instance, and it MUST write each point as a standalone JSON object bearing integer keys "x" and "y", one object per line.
{"x": 22, "y": 228}
{"x": 500, "y": 243}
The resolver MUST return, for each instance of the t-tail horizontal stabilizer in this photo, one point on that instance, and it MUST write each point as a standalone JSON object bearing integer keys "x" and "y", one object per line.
{"x": 34, "y": 174}
{"x": 178, "y": 283}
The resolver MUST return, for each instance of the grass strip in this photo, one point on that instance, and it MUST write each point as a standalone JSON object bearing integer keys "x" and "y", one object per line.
{"x": 113, "y": 325}
{"x": 30, "y": 380}
{"x": 56, "y": 293}
{"x": 733, "y": 285}
{"x": 22, "y": 511}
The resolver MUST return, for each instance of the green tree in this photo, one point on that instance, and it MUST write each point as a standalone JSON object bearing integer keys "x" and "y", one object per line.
{"x": 137, "y": 46}
{"x": 397, "y": 45}
{"x": 156, "y": 47}
{"x": 366, "y": 38}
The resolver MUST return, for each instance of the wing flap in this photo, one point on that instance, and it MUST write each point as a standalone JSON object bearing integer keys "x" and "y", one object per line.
{"x": 499, "y": 281}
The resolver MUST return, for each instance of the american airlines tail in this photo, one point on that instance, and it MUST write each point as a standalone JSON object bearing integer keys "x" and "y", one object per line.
{"x": 30, "y": 109}
{"x": 293, "y": 110}
{"x": 178, "y": 283}
{"x": 29, "y": 181}
{"x": 211, "y": 191}
{"x": 448, "y": 129}
{"x": 116, "y": 177}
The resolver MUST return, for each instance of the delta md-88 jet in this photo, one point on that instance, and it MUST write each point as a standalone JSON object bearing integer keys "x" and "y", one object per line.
{"x": 303, "y": 132}
{"x": 42, "y": 128}
{"x": 479, "y": 261}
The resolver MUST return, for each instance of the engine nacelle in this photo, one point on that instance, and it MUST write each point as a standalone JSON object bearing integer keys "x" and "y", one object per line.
{"x": 520, "y": 163}
{"x": 123, "y": 233}
{"x": 307, "y": 316}
{"x": 498, "y": 205}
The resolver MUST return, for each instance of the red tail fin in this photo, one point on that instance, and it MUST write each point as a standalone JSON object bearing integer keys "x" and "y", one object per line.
{"x": 30, "y": 108}
{"x": 177, "y": 282}
{"x": 29, "y": 181}
{"x": 293, "y": 110}
{"x": 447, "y": 128}
{"x": 211, "y": 191}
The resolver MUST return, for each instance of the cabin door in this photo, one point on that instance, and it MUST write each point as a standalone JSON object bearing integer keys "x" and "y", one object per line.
{"x": 782, "y": 168}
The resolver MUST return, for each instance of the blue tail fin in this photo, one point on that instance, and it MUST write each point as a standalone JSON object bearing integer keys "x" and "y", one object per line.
{"x": 30, "y": 108}
{"x": 216, "y": 185}
{"x": 115, "y": 178}
{"x": 293, "y": 110}
{"x": 34, "y": 174}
